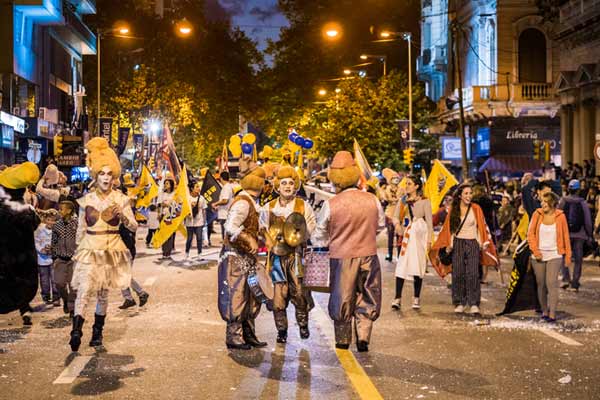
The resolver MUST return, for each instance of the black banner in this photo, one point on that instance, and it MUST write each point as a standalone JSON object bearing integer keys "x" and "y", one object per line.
{"x": 522, "y": 289}
{"x": 123, "y": 137}
{"x": 106, "y": 129}
{"x": 211, "y": 190}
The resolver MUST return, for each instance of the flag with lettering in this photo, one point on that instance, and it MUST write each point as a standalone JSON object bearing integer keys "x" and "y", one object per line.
{"x": 211, "y": 190}
{"x": 438, "y": 184}
{"x": 145, "y": 191}
{"x": 174, "y": 212}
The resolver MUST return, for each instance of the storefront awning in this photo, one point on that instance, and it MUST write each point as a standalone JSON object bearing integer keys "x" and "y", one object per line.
{"x": 511, "y": 164}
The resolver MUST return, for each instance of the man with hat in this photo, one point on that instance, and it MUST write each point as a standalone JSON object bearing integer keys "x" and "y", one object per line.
{"x": 237, "y": 305}
{"x": 349, "y": 223}
{"x": 52, "y": 187}
{"x": 286, "y": 270}
{"x": 18, "y": 256}
{"x": 579, "y": 219}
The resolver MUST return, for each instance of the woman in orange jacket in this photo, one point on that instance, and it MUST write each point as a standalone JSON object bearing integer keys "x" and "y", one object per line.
{"x": 467, "y": 236}
{"x": 548, "y": 239}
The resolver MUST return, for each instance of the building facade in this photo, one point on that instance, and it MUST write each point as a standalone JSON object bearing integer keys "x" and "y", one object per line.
{"x": 578, "y": 83}
{"x": 432, "y": 63}
{"x": 42, "y": 45}
{"x": 508, "y": 62}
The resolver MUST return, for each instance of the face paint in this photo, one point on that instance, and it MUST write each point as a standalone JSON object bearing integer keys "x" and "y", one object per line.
{"x": 104, "y": 179}
{"x": 287, "y": 188}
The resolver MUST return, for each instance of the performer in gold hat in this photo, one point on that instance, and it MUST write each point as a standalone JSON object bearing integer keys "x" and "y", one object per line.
{"x": 102, "y": 260}
{"x": 237, "y": 305}
{"x": 287, "y": 269}
{"x": 349, "y": 223}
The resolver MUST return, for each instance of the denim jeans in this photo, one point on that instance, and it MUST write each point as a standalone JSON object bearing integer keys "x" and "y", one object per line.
{"x": 49, "y": 290}
{"x": 191, "y": 231}
{"x": 577, "y": 250}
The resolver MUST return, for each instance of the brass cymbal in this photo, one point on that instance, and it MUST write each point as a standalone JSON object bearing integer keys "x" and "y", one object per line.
{"x": 278, "y": 245}
{"x": 294, "y": 229}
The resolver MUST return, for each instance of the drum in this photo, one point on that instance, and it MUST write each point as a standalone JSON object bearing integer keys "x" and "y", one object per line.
{"x": 261, "y": 286}
{"x": 316, "y": 270}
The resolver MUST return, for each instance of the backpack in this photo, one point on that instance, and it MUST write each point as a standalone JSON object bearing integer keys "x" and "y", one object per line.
{"x": 574, "y": 213}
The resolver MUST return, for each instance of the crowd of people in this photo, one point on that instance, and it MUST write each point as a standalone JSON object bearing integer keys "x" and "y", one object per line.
{"x": 80, "y": 241}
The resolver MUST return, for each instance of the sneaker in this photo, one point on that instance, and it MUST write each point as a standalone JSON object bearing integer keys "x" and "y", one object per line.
{"x": 474, "y": 310}
{"x": 128, "y": 303}
{"x": 396, "y": 304}
{"x": 47, "y": 300}
{"x": 573, "y": 289}
{"x": 459, "y": 309}
{"x": 187, "y": 257}
{"x": 143, "y": 298}
{"x": 564, "y": 285}
{"x": 416, "y": 303}
{"x": 56, "y": 303}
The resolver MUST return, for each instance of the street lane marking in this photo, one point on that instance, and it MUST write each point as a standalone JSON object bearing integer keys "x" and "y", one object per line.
{"x": 73, "y": 370}
{"x": 150, "y": 281}
{"x": 213, "y": 323}
{"x": 559, "y": 337}
{"x": 356, "y": 374}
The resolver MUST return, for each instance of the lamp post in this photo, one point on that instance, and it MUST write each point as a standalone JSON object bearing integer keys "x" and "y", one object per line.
{"x": 408, "y": 37}
{"x": 379, "y": 57}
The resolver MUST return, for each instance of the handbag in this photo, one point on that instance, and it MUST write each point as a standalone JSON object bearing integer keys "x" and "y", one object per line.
{"x": 317, "y": 270}
{"x": 444, "y": 255}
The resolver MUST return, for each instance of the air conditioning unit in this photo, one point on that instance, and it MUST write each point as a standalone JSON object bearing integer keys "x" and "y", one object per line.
{"x": 42, "y": 113}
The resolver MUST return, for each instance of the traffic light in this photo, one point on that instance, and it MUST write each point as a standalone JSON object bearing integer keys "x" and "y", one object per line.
{"x": 536, "y": 149}
{"x": 58, "y": 145}
{"x": 409, "y": 156}
{"x": 546, "y": 150}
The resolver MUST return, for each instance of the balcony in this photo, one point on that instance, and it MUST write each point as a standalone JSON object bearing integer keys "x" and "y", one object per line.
{"x": 76, "y": 33}
{"x": 576, "y": 12}
{"x": 519, "y": 92}
{"x": 532, "y": 92}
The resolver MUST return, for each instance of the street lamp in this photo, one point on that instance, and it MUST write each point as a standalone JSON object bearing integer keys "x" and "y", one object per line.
{"x": 322, "y": 92}
{"x": 379, "y": 57}
{"x": 122, "y": 28}
{"x": 183, "y": 28}
{"x": 332, "y": 31}
{"x": 347, "y": 71}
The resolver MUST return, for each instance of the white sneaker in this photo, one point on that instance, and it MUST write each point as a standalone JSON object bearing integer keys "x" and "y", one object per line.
{"x": 459, "y": 309}
{"x": 416, "y": 303}
{"x": 396, "y": 304}
{"x": 474, "y": 310}
{"x": 187, "y": 257}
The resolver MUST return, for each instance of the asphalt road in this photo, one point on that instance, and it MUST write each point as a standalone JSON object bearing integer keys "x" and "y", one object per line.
{"x": 173, "y": 348}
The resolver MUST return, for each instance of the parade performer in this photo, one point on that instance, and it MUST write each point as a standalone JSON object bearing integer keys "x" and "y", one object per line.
{"x": 348, "y": 223}
{"x": 51, "y": 187}
{"x": 237, "y": 305}
{"x": 391, "y": 195}
{"x": 286, "y": 270}
{"x": 413, "y": 222}
{"x": 18, "y": 256}
{"x": 102, "y": 260}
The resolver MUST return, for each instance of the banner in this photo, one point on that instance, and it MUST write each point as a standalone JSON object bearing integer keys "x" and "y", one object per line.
{"x": 211, "y": 190}
{"x": 138, "y": 148}
{"x": 174, "y": 213}
{"x": 438, "y": 184}
{"x": 522, "y": 289}
{"x": 169, "y": 154}
{"x": 106, "y": 129}
{"x": 145, "y": 191}
{"x": 123, "y": 138}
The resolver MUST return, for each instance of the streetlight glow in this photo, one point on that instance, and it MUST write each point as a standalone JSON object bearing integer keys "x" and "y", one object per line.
{"x": 363, "y": 56}
{"x": 385, "y": 34}
{"x": 154, "y": 126}
{"x": 338, "y": 90}
{"x": 322, "y": 92}
{"x": 183, "y": 28}
{"x": 332, "y": 31}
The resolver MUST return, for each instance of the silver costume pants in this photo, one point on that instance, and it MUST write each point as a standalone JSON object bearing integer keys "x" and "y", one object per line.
{"x": 355, "y": 293}
{"x": 236, "y": 302}
{"x": 83, "y": 297}
{"x": 291, "y": 290}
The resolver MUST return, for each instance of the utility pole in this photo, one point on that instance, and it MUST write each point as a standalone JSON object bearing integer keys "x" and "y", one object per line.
{"x": 461, "y": 120}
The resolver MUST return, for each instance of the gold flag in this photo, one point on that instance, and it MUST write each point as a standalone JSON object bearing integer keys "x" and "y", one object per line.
{"x": 174, "y": 213}
{"x": 145, "y": 191}
{"x": 438, "y": 184}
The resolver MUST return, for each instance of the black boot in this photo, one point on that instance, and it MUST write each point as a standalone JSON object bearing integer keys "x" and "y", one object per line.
{"x": 362, "y": 346}
{"x": 143, "y": 298}
{"x": 282, "y": 336}
{"x": 76, "y": 333}
{"x": 243, "y": 346}
{"x": 304, "y": 332}
{"x": 97, "y": 330}
{"x": 250, "y": 337}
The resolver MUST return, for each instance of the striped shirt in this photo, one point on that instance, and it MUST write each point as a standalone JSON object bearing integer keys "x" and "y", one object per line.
{"x": 63, "y": 238}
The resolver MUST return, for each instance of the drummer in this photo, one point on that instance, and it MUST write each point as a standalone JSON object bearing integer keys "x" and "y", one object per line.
{"x": 237, "y": 306}
{"x": 286, "y": 269}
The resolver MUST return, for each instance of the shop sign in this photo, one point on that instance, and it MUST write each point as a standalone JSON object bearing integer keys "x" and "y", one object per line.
{"x": 451, "y": 148}
{"x": 69, "y": 160}
{"x": 17, "y": 123}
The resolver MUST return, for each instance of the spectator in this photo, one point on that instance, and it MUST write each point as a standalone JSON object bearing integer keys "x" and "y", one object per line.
{"x": 579, "y": 221}
{"x": 43, "y": 245}
{"x": 195, "y": 222}
{"x": 63, "y": 248}
{"x": 225, "y": 199}
{"x": 534, "y": 190}
{"x": 153, "y": 224}
{"x": 549, "y": 242}
{"x": 506, "y": 215}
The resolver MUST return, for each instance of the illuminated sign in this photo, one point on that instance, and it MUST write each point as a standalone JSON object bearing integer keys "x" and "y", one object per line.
{"x": 17, "y": 123}
{"x": 451, "y": 149}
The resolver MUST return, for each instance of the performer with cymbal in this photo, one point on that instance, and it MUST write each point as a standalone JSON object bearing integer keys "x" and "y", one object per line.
{"x": 102, "y": 260}
{"x": 237, "y": 305}
{"x": 349, "y": 223}
{"x": 296, "y": 217}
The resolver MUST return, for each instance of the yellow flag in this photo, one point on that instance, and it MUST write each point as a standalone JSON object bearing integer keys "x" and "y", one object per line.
{"x": 177, "y": 210}
{"x": 146, "y": 190}
{"x": 438, "y": 184}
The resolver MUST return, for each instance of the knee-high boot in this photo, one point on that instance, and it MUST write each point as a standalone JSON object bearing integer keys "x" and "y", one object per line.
{"x": 97, "y": 330}
{"x": 250, "y": 336}
{"x": 76, "y": 332}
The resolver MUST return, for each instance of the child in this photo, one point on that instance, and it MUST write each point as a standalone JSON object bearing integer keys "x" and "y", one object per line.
{"x": 153, "y": 224}
{"x": 63, "y": 248}
{"x": 43, "y": 245}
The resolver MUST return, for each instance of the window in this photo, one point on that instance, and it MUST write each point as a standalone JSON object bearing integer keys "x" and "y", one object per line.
{"x": 532, "y": 56}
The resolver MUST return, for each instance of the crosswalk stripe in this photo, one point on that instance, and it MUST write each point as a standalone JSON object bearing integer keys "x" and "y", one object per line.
{"x": 561, "y": 338}
{"x": 73, "y": 370}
